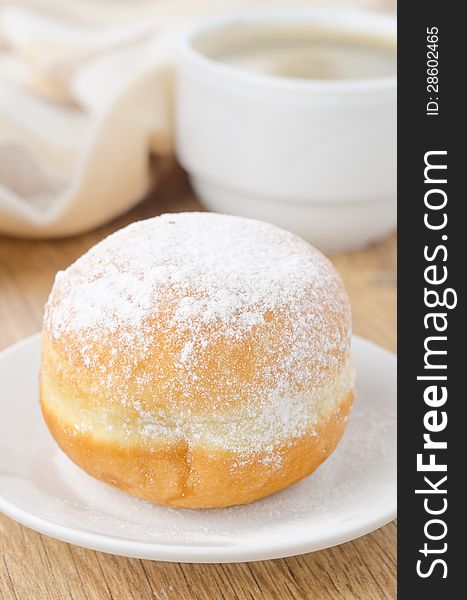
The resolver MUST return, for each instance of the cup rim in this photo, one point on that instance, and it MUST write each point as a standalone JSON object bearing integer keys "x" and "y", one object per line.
{"x": 348, "y": 19}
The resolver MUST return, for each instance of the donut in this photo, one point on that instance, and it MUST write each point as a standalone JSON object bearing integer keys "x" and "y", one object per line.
{"x": 198, "y": 360}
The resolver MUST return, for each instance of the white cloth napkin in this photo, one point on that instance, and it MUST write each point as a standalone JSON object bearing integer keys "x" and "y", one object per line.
{"x": 85, "y": 100}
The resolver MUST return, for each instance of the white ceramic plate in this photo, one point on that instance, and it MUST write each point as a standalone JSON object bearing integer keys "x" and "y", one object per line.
{"x": 351, "y": 494}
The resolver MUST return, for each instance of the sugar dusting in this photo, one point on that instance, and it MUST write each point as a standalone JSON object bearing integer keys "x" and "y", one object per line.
{"x": 205, "y": 279}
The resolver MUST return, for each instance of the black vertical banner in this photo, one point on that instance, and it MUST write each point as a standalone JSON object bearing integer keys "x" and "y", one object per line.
{"x": 432, "y": 330}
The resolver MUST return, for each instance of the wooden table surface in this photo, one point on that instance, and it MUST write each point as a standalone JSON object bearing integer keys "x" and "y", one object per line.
{"x": 36, "y": 567}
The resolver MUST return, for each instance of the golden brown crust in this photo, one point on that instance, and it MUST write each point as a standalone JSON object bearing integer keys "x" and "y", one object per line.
{"x": 183, "y": 477}
{"x": 198, "y": 360}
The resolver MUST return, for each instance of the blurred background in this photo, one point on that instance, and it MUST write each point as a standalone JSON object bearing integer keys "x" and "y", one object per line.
{"x": 86, "y": 105}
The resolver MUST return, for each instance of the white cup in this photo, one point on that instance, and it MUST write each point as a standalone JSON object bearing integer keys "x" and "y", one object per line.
{"x": 317, "y": 157}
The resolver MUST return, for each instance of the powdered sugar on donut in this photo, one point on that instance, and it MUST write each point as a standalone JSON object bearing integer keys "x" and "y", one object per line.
{"x": 201, "y": 278}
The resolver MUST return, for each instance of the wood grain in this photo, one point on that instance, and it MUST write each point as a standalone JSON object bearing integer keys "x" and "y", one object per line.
{"x": 35, "y": 567}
